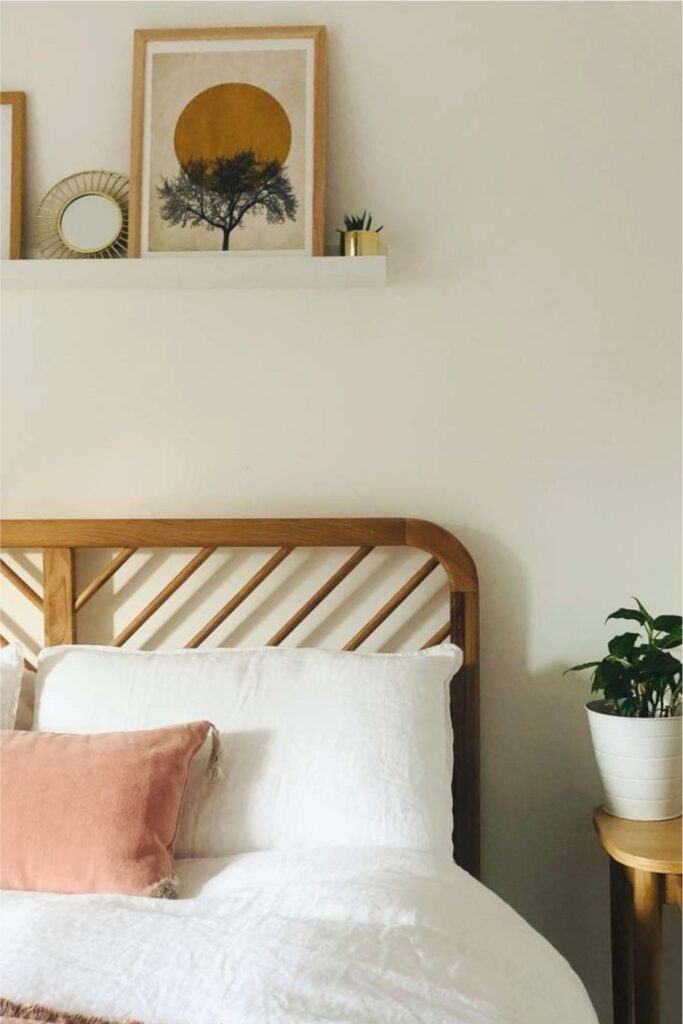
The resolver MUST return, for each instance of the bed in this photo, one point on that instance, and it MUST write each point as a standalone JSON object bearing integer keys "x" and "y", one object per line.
{"x": 388, "y": 931}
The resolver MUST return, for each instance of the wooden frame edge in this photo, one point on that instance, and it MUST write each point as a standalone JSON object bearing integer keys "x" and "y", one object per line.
{"x": 16, "y": 100}
{"x": 142, "y": 36}
{"x": 319, "y": 139}
{"x": 160, "y": 35}
{"x": 136, "y": 132}
{"x": 313, "y": 532}
{"x": 451, "y": 552}
{"x": 464, "y": 701}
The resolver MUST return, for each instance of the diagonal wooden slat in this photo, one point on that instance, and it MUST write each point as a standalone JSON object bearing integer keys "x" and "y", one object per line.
{"x": 320, "y": 595}
{"x": 103, "y": 577}
{"x": 439, "y": 637}
{"x": 392, "y": 604}
{"x": 163, "y": 596}
{"x": 239, "y": 597}
{"x": 27, "y": 664}
{"x": 20, "y": 584}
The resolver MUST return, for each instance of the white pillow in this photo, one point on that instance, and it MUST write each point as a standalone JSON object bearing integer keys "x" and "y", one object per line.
{"x": 11, "y": 672}
{"x": 320, "y": 748}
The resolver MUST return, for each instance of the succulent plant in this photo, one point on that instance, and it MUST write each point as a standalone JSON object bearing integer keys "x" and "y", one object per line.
{"x": 358, "y": 222}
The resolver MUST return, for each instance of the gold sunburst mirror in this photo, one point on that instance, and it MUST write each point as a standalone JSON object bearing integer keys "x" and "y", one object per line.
{"x": 84, "y": 216}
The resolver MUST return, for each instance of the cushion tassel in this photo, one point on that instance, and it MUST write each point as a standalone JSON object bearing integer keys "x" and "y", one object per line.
{"x": 164, "y": 889}
{"x": 11, "y": 1011}
{"x": 214, "y": 768}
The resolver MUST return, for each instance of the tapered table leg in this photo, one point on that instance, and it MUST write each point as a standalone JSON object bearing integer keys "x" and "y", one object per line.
{"x": 645, "y": 873}
{"x": 621, "y": 920}
{"x": 647, "y": 947}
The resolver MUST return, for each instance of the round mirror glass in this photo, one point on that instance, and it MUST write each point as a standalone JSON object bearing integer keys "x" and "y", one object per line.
{"x": 90, "y": 223}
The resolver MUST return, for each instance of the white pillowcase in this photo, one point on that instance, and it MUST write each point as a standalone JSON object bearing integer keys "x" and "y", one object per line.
{"x": 320, "y": 748}
{"x": 11, "y": 673}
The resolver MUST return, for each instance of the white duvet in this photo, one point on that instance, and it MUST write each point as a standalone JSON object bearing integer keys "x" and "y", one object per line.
{"x": 295, "y": 937}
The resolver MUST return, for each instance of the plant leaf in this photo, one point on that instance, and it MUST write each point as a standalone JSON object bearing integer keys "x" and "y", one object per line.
{"x": 674, "y": 639}
{"x": 667, "y": 623}
{"x": 628, "y": 707}
{"x": 656, "y": 663}
{"x": 643, "y": 611}
{"x": 627, "y": 613}
{"x": 623, "y": 645}
{"x": 612, "y": 669}
{"x": 619, "y": 689}
{"x": 580, "y": 668}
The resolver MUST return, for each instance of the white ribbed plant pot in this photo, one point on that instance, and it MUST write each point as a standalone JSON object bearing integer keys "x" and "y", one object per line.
{"x": 639, "y": 760}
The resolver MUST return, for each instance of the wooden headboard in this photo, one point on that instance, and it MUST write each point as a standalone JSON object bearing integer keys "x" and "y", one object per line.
{"x": 60, "y": 604}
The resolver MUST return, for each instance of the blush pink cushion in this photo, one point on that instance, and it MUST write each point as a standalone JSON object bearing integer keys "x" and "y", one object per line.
{"x": 93, "y": 813}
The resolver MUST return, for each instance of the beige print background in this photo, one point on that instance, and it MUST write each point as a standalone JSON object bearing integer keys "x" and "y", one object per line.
{"x": 176, "y": 79}
{"x": 5, "y": 179}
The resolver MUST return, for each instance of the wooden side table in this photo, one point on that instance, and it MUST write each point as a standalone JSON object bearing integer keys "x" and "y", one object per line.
{"x": 645, "y": 873}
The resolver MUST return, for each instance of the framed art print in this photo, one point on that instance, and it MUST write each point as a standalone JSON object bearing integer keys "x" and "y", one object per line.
{"x": 228, "y": 142}
{"x": 12, "y": 152}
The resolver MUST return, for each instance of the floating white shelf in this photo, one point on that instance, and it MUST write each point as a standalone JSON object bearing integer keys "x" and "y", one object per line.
{"x": 200, "y": 272}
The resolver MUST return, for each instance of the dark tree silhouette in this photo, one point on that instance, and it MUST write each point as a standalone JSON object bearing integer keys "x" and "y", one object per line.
{"x": 219, "y": 193}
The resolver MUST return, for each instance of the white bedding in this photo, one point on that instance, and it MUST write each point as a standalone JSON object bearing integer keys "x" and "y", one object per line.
{"x": 359, "y": 936}
{"x": 322, "y": 748}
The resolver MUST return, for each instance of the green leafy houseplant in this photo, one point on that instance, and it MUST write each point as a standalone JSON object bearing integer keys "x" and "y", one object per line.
{"x": 640, "y": 677}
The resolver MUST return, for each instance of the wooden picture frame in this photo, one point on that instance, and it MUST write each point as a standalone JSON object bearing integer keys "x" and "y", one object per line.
{"x": 12, "y": 233}
{"x": 149, "y": 43}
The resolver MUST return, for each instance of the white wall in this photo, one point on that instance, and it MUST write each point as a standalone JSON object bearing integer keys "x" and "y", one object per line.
{"x": 517, "y": 382}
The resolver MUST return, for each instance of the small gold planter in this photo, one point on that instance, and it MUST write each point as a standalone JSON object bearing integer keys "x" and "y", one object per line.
{"x": 360, "y": 243}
